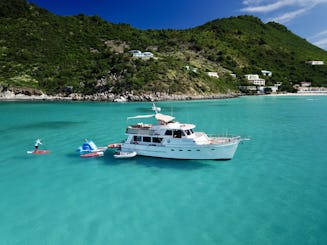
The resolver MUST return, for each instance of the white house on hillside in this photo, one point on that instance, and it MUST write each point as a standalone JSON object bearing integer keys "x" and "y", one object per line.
{"x": 255, "y": 79}
{"x": 266, "y": 73}
{"x": 147, "y": 55}
{"x": 139, "y": 54}
{"x": 190, "y": 68}
{"x": 315, "y": 62}
{"x": 213, "y": 74}
{"x": 135, "y": 53}
{"x": 305, "y": 84}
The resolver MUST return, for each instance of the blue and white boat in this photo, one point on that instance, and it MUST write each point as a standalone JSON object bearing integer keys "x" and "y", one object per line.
{"x": 89, "y": 147}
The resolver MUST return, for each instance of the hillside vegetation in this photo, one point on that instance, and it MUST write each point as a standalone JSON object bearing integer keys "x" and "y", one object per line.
{"x": 89, "y": 55}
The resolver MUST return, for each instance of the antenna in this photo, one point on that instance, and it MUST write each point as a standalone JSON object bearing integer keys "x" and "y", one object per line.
{"x": 156, "y": 109}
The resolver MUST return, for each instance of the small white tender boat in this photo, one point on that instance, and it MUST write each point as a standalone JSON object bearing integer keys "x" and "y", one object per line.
{"x": 125, "y": 154}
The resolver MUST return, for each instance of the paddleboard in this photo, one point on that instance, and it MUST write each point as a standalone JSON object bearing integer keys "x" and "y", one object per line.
{"x": 38, "y": 152}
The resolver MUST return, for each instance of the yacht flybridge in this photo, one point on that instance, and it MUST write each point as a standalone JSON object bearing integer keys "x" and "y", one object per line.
{"x": 170, "y": 139}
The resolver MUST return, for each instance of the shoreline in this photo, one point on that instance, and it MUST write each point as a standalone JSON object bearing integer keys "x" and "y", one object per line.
{"x": 300, "y": 94}
{"x": 108, "y": 97}
{"x": 10, "y": 96}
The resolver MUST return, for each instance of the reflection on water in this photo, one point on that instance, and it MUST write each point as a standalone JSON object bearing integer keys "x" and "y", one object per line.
{"x": 42, "y": 125}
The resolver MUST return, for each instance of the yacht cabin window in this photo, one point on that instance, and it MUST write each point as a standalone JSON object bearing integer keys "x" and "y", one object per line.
{"x": 169, "y": 132}
{"x": 178, "y": 133}
{"x": 137, "y": 138}
{"x": 188, "y": 132}
{"x": 146, "y": 139}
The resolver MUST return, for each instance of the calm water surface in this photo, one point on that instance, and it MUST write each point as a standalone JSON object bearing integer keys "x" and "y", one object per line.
{"x": 274, "y": 191}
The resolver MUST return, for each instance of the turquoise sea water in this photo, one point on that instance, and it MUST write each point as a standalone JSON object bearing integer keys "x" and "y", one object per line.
{"x": 274, "y": 191}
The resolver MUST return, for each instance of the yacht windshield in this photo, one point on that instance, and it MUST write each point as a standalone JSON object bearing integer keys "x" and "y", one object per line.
{"x": 169, "y": 132}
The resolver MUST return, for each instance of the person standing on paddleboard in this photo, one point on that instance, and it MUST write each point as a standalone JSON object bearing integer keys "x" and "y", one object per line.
{"x": 37, "y": 143}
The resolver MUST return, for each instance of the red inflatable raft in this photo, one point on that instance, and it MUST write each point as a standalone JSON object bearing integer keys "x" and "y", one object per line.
{"x": 92, "y": 154}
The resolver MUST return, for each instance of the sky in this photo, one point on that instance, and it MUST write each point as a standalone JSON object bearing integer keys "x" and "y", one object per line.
{"x": 305, "y": 18}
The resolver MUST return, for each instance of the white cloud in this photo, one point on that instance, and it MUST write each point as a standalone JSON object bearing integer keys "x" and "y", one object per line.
{"x": 320, "y": 39}
{"x": 265, "y": 6}
{"x": 321, "y": 43}
{"x": 288, "y": 16}
{"x": 285, "y": 10}
{"x": 320, "y": 34}
{"x": 268, "y": 7}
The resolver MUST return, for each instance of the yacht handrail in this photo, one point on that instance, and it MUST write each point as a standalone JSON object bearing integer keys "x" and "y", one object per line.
{"x": 141, "y": 131}
{"x": 140, "y": 116}
{"x": 199, "y": 134}
{"x": 222, "y": 136}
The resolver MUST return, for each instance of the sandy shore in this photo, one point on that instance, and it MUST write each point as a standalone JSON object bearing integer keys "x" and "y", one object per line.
{"x": 300, "y": 94}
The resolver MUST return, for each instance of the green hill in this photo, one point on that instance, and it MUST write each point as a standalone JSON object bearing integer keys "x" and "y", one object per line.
{"x": 89, "y": 55}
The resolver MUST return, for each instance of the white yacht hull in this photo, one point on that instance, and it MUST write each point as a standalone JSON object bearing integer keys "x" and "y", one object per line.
{"x": 207, "y": 151}
{"x": 171, "y": 139}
